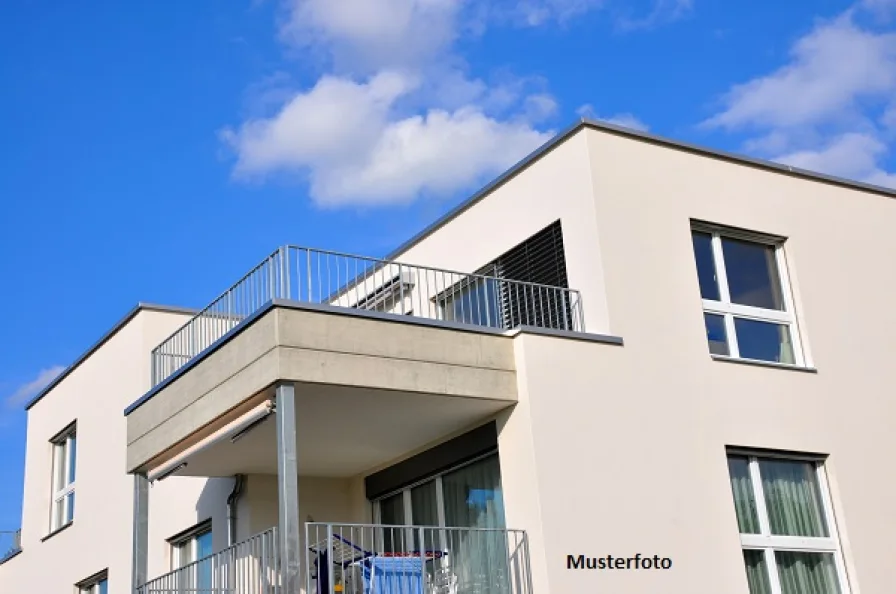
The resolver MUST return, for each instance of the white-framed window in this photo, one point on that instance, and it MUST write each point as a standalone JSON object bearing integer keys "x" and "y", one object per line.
{"x": 64, "y": 447}
{"x": 747, "y": 302}
{"x": 786, "y": 523}
{"x": 191, "y": 545}
{"x": 97, "y": 584}
{"x": 191, "y": 553}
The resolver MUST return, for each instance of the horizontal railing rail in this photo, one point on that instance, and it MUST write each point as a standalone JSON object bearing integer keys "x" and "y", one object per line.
{"x": 383, "y": 559}
{"x": 10, "y": 543}
{"x": 248, "y": 567}
{"x": 344, "y": 280}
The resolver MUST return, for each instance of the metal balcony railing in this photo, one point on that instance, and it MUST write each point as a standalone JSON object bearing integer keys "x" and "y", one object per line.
{"x": 10, "y": 543}
{"x": 368, "y": 559}
{"x": 248, "y": 567}
{"x": 343, "y": 280}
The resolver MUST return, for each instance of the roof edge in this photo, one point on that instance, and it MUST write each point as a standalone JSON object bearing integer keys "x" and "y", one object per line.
{"x": 121, "y": 323}
{"x": 737, "y": 157}
{"x": 506, "y": 176}
{"x": 602, "y": 126}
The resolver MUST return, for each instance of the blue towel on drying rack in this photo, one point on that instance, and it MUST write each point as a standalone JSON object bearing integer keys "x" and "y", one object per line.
{"x": 393, "y": 575}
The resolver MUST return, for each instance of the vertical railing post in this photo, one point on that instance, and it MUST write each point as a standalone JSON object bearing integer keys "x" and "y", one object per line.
{"x": 422, "y": 555}
{"x": 581, "y": 325}
{"x": 308, "y": 267}
{"x": 284, "y": 272}
{"x": 153, "y": 368}
{"x": 330, "y": 576}
{"x": 272, "y": 279}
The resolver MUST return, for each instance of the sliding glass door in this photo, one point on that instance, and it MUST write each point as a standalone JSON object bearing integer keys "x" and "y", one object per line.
{"x": 468, "y": 497}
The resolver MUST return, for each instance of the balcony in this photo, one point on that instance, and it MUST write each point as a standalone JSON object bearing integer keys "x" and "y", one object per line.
{"x": 10, "y": 544}
{"x": 329, "y": 369}
{"x": 366, "y": 559}
{"x": 336, "y": 280}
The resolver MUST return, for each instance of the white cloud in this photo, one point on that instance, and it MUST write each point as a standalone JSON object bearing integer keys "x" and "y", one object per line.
{"x": 663, "y": 11}
{"x": 533, "y": 13}
{"x": 29, "y": 390}
{"x": 355, "y": 150}
{"x": 396, "y": 114}
{"x": 831, "y": 71}
{"x": 539, "y": 107}
{"x": 436, "y": 153}
{"x": 882, "y": 9}
{"x": 366, "y": 35}
{"x": 852, "y": 155}
{"x": 827, "y": 108}
{"x": 626, "y": 120}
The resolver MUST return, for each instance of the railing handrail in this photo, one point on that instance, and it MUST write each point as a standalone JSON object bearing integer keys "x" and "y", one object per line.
{"x": 414, "y": 526}
{"x": 432, "y": 559}
{"x": 215, "y": 300}
{"x": 15, "y": 544}
{"x": 185, "y": 569}
{"x": 383, "y": 263}
{"x": 270, "y": 279}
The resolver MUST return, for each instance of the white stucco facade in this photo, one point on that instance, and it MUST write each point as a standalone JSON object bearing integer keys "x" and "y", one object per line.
{"x": 613, "y": 441}
{"x": 98, "y": 539}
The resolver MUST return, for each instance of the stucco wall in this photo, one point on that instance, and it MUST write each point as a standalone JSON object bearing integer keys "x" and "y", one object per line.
{"x": 100, "y": 537}
{"x": 628, "y": 443}
{"x": 557, "y": 186}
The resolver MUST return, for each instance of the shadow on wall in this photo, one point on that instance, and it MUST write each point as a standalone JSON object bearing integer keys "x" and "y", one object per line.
{"x": 212, "y": 503}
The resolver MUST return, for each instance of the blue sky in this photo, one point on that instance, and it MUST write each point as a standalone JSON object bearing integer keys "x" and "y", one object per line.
{"x": 154, "y": 154}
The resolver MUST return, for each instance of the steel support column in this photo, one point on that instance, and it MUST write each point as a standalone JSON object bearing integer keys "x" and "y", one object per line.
{"x": 141, "y": 531}
{"x": 288, "y": 488}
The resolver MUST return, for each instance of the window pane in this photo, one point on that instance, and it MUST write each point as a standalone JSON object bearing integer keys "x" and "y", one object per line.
{"x": 204, "y": 545}
{"x": 793, "y": 498}
{"x": 59, "y": 466}
{"x": 70, "y": 498}
{"x": 103, "y": 587}
{"x": 392, "y": 510}
{"x": 706, "y": 267}
{"x": 58, "y": 513}
{"x": 204, "y": 568}
{"x": 807, "y": 573}
{"x": 715, "y": 334}
{"x": 424, "y": 509}
{"x": 72, "y": 447}
{"x": 744, "y": 495}
{"x": 752, "y": 274}
{"x": 392, "y": 514}
{"x": 757, "y": 573}
{"x": 185, "y": 553}
{"x": 473, "y": 498}
{"x": 764, "y": 341}
{"x": 475, "y": 302}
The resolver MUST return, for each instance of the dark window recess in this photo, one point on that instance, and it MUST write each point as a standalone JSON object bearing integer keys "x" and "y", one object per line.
{"x": 437, "y": 459}
{"x": 539, "y": 260}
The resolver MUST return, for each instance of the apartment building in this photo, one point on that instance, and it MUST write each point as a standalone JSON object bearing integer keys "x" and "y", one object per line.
{"x": 627, "y": 365}
{"x": 77, "y": 513}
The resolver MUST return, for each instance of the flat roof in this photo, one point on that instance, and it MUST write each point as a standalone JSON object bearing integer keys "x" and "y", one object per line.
{"x": 635, "y": 135}
{"x": 108, "y": 335}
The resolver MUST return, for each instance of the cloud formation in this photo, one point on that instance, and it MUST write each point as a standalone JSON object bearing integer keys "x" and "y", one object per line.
{"x": 396, "y": 115}
{"x": 663, "y": 11}
{"x": 830, "y": 107}
{"x": 626, "y": 120}
{"x": 24, "y": 393}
